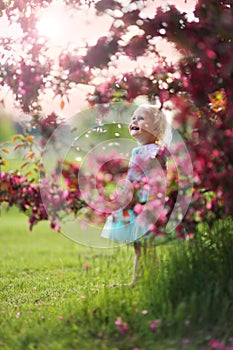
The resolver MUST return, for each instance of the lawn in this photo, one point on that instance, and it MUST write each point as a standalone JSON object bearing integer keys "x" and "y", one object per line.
{"x": 56, "y": 294}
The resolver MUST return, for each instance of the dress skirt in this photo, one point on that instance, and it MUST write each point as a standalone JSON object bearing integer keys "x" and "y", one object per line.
{"x": 124, "y": 227}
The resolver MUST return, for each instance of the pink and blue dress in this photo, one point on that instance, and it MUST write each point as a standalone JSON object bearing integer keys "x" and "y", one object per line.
{"x": 124, "y": 225}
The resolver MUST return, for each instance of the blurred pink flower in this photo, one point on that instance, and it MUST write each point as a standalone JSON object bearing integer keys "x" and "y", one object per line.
{"x": 86, "y": 266}
{"x": 214, "y": 344}
{"x": 154, "y": 325}
{"x": 118, "y": 321}
{"x": 123, "y": 327}
{"x": 144, "y": 312}
{"x": 138, "y": 208}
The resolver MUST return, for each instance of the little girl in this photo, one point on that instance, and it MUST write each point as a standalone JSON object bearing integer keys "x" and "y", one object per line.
{"x": 148, "y": 126}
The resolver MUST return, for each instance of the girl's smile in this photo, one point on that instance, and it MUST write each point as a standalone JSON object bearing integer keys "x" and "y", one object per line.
{"x": 142, "y": 126}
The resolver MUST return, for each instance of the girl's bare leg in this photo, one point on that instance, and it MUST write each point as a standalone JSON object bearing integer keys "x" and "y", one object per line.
{"x": 149, "y": 251}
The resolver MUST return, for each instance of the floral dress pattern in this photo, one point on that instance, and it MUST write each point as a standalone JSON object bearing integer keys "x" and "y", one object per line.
{"x": 123, "y": 224}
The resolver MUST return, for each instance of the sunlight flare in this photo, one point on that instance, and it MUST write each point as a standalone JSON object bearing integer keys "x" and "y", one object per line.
{"x": 50, "y": 26}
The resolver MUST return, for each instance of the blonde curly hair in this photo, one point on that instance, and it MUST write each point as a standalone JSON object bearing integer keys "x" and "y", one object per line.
{"x": 162, "y": 128}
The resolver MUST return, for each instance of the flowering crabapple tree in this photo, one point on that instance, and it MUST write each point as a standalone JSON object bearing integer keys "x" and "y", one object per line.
{"x": 199, "y": 86}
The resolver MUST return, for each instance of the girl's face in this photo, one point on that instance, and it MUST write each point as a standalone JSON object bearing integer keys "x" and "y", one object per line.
{"x": 141, "y": 127}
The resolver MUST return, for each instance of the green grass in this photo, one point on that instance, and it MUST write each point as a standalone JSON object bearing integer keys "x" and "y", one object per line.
{"x": 49, "y": 300}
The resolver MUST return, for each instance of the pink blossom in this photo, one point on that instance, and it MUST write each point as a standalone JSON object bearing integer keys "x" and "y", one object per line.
{"x": 215, "y": 153}
{"x": 144, "y": 312}
{"x": 154, "y": 325}
{"x": 86, "y": 266}
{"x": 138, "y": 208}
{"x": 190, "y": 235}
{"x": 214, "y": 344}
{"x": 210, "y": 54}
{"x": 123, "y": 327}
{"x": 118, "y": 321}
